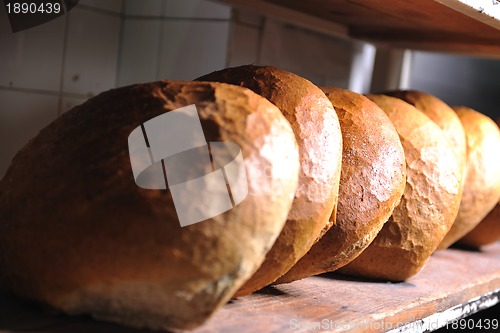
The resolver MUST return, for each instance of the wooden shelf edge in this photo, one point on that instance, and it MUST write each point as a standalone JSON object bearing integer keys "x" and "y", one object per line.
{"x": 486, "y": 12}
{"x": 446, "y": 317}
{"x": 454, "y": 283}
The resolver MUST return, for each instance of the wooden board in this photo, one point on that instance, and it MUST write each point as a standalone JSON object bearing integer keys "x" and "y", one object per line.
{"x": 454, "y": 283}
{"x": 437, "y": 25}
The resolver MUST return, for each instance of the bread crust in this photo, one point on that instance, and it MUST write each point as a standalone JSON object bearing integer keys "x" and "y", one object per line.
{"x": 372, "y": 182}
{"x": 444, "y": 116}
{"x": 440, "y": 113}
{"x": 77, "y": 234}
{"x": 482, "y": 182}
{"x": 317, "y": 130}
{"x": 486, "y": 232}
{"x": 429, "y": 203}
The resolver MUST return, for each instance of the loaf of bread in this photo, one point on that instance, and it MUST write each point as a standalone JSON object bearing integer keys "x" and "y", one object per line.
{"x": 429, "y": 204}
{"x": 78, "y": 234}
{"x": 372, "y": 182}
{"x": 482, "y": 182}
{"x": 318, "y": 135}
{"x": 486, "y": 232}
{"x": 444, "y": 116}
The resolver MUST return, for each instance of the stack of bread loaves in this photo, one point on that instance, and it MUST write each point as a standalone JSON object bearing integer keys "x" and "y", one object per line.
{"x": 330, "y": 180}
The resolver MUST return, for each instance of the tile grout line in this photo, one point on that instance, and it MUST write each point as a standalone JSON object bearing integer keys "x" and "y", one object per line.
{"x": 159, "y": 49}
{"x": 121, "y": 38}
{"x": 260, "y": 41}
{"x": 231, "y": 34}
{"x": 148, "y": 17}
{"x": 175, "y": 18}
{"x": 248, "y": 25}
{"x": 99, "y": 10}
{"x": 43, "y": 92}
{"x": 236, "y": 16}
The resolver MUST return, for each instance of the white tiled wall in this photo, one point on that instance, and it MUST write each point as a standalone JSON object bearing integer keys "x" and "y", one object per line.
{"x": 181, "y": 40}
{"x": 323, "y": 59}
{"x": 246, "y": 33}
{"x": 31, "y": 59}
{"x": 172, "y": 39}
{"x": 50, "y": 68}
{"x": 91, "y": 52}
{"x": 113, "y": 6}
{"x": 22, "y": 115}
{"x": 139, "y": 51}
{"x": 98, "y": 45}
{"x": 195, "y": 9}
{"x": 143, "y": 8}
{"x": 191, "y": 49}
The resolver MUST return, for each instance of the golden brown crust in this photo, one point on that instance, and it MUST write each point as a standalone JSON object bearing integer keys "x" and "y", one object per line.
{"x": 77, "y": 233}
{"x": 372, "y": 181}
{"x": 486, "y": 232}
{"x": 429, "y": 203}
{"x": 482, "y": 182}
{"x": 444, "y": 116}
{"x": 440, "y": 113}
{"x": 317, "y": 131}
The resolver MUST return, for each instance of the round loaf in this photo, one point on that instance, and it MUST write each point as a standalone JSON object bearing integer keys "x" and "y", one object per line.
{"x": 429, "y": 204}
{"x": 78, "y": 234}
{"x": 482, "y": 182}
{"x": 486, "y": 232}
{"x": 318, "y": 135}
{"x": 444, "y": 116}
{"x": 372, "y": 182}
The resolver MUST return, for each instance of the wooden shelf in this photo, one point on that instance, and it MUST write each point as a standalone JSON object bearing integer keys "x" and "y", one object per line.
{"x": 452, "y": 285}
{"x": 455, "y": 283}
{"x": 460, "y": 26}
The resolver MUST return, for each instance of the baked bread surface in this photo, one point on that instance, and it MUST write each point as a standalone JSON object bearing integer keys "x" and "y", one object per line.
{"x": 78, "y": 234}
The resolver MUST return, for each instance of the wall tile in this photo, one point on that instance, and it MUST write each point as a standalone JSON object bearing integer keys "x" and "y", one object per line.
{"x": 190, "y": 49}
{"x": 31, "y": 58}
{"x": 139, "y": 51}
{"x": 196, "y": 8}
{"x": 110, "y": 5}
{"x": 92, "y": 52}
{"x": 23, "y": 116}
{"x": 243, "y": 45}
{"x": 145, "y": 7}
{"x": 4, "y": 22}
